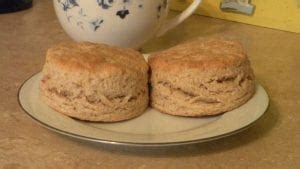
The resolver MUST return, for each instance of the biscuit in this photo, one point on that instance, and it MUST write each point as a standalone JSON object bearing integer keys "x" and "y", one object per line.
{"x": 201, "y": 77}
{"x": 95, "y": 82}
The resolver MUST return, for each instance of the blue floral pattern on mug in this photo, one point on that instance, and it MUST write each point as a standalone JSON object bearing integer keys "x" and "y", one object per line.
{"x": 105, "y": 4}
{"x": 82, "y": 19}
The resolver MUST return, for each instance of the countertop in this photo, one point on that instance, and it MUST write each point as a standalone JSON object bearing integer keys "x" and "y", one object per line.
{"x": 273, "y": 142}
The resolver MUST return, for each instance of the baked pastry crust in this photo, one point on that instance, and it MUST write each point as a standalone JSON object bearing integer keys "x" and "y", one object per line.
{"x": 95, "y": 82}
{"x": 201, "y": 77}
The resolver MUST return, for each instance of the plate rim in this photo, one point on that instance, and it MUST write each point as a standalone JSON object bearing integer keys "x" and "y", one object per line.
{"x": 134, "y": 144}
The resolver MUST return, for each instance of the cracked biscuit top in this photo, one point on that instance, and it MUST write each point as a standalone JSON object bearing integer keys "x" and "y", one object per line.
{"x": 95, "y": 58}
{"x": 201, "y": 54}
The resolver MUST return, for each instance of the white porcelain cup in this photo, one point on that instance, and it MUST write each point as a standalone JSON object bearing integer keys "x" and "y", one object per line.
{"x": 125, "y": 23}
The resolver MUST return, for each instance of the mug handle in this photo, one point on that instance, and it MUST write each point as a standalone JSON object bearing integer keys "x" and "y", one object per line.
{"x": 169, "y": 24}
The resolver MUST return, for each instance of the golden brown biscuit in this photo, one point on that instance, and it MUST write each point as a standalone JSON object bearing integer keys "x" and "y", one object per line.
{"x": 201, "y": 77}
{"x": 95, "y": 82}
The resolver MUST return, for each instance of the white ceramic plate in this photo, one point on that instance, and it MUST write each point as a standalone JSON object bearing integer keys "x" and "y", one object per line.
{"x": 150, "y": 129}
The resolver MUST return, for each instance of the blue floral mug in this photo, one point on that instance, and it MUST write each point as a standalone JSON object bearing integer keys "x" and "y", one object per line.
{"x": 125, "y": 23}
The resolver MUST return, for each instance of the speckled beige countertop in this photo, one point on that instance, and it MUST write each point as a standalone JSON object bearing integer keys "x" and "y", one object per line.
{"x": 274, "y": 142}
